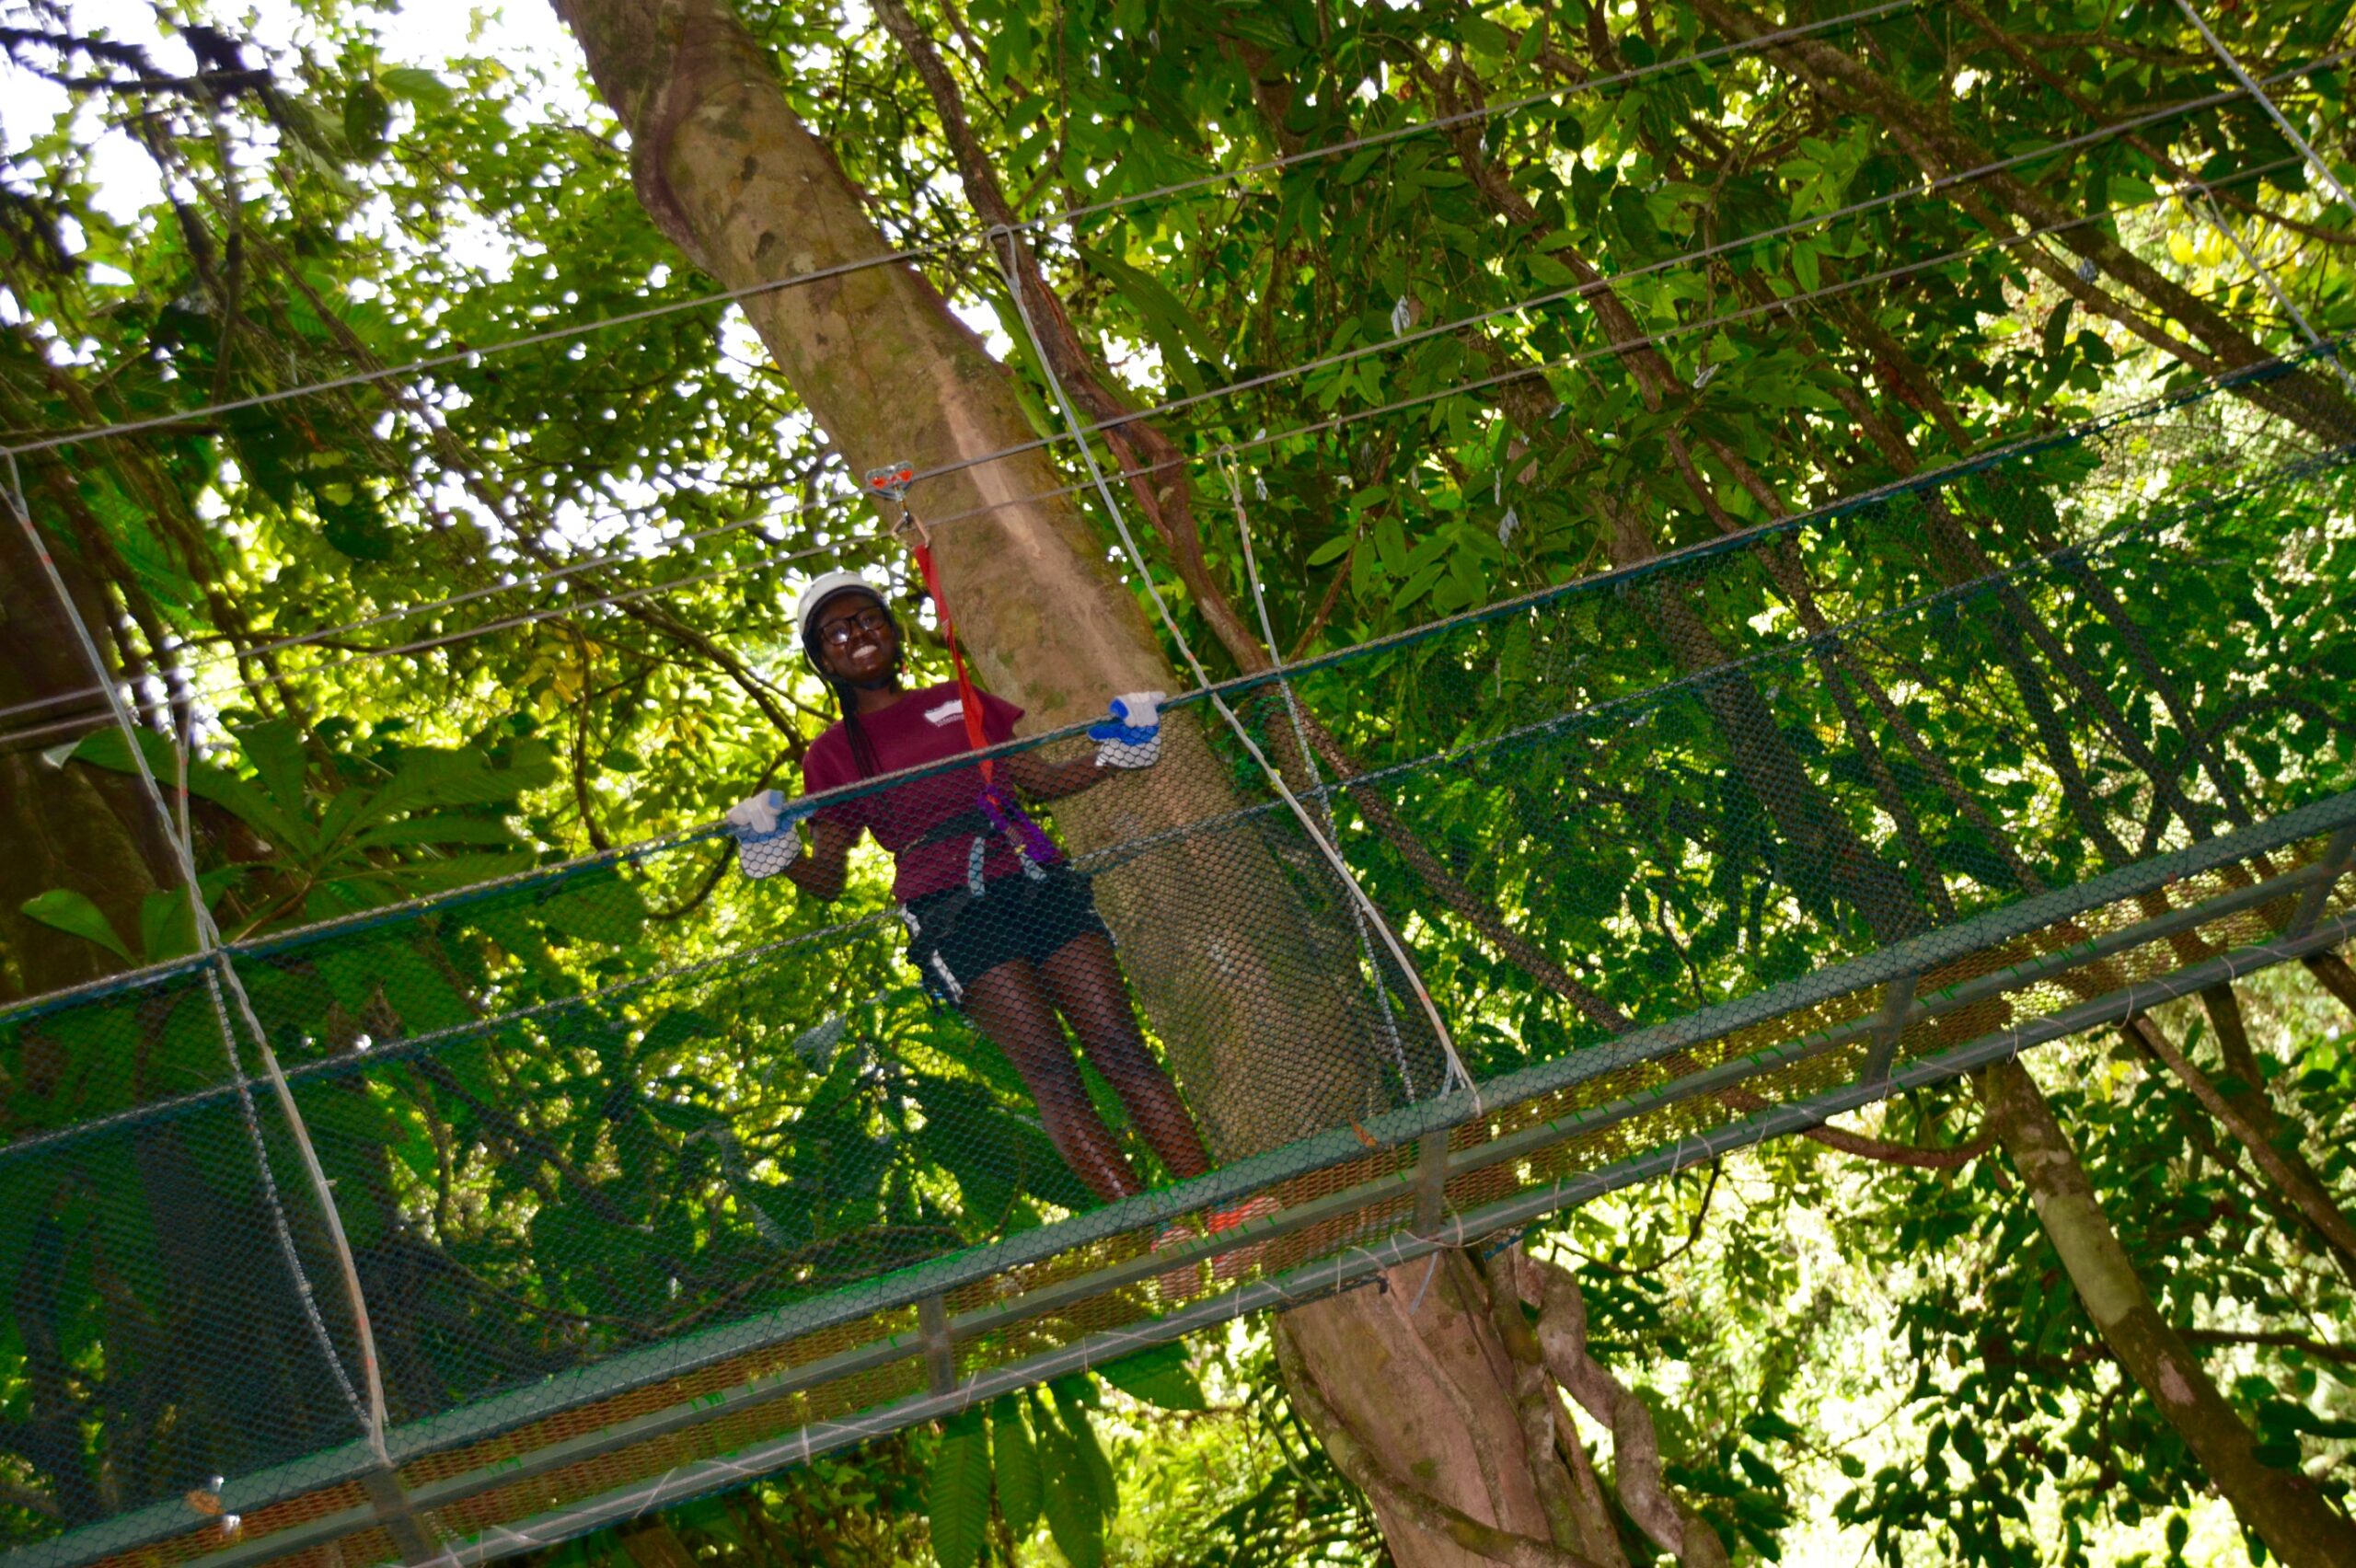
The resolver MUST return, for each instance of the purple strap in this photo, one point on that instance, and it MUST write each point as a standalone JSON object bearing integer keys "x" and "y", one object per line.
{"x": 1009, "y": 818}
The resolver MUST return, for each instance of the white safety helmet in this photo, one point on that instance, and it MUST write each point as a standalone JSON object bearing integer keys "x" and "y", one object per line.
{"x": 823, "y": 588}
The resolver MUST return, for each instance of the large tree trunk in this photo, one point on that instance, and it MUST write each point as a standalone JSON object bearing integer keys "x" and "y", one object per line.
{"x": 729, "y": 173}
{"x": 1227, "y": 966}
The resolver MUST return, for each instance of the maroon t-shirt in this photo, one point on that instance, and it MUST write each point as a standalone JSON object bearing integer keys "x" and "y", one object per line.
{"x": 921, "y": 727}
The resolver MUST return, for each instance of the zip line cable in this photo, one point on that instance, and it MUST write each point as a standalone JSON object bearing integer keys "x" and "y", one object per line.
{"x": 1665, "y": 333}
{"x": 773, "y": 285}
{"x": 1701, "y": 253}
{"x": 1268, "y": 377}
{"x": 1578, "y": 291}
{"x": 1046, "y": 221}
{"x": 427, "y": 644}
{"x": 407, "y": 612}
{"x": 2207, "y": 206}
{"x": 1300, "y": 736}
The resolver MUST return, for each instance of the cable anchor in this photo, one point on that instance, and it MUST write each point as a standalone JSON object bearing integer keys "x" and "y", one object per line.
{"x": 891, "y": 483}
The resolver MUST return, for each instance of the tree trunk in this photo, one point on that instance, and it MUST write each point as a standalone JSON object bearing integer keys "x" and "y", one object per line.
{"x": 2282, "y": 1507}
{"x": 1227, "y": 966}
{"x": 65, "y": 827}
{"x": 1210, "y": 941}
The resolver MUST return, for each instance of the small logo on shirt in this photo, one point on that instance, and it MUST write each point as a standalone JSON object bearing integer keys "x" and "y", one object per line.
{"x": 946, "y": 713}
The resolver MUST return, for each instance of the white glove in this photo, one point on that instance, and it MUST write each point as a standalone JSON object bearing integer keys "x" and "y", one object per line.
{"x": 1132, "y": 736}
{"x": 766, "y": 840}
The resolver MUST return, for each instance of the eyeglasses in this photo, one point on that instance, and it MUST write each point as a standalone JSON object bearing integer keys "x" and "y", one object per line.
{"x": 874, "y": 619}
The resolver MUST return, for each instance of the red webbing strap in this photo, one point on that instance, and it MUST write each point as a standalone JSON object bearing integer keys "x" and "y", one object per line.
{"x": 976, "y": 735}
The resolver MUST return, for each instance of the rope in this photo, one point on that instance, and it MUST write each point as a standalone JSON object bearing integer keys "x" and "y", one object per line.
{"x": 969, "y": 701}
{"x": 1699, "y": 253}
{"x": 1309, "y": 762}
{"x": 1203, "y": 685}
{"x": 2274, "y": 113}
{"x": 529, "y": 617}
{"x": 943, "y": 247}
{"x": 696, "y": 971}
{"x": 371, "y": 1416}
{"x": 408, "y": 611}
{"x": 1263, "y": 440}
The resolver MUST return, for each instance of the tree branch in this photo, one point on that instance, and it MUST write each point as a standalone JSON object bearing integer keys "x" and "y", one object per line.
{"x": 1635, "y": 1445}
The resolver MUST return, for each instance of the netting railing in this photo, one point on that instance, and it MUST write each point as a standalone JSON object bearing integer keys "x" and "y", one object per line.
{"x": 647, "y": 1193}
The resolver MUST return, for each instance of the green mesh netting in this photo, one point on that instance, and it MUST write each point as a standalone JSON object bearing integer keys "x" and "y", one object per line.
{"x": 1703, "y": 850}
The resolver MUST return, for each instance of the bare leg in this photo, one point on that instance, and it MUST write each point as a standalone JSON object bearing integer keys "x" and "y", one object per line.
{"x": 1010, "y": 1006}
{"x": 1085, "y": 979}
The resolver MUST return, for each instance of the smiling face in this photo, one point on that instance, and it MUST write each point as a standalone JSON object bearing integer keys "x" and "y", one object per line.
{"x": 856, "y": 638}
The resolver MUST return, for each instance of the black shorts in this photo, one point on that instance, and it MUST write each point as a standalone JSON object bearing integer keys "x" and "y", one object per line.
{"x": 954, "y": 939}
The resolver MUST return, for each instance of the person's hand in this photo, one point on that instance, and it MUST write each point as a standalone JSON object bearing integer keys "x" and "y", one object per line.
{"x": 767, "y": 841}
{"x": 1132, "y": 736}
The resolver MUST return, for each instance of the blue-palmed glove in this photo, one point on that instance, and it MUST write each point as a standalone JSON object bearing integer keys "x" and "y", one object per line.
{"x": 1132, "y": 736}
{"x": 766, "y": 840}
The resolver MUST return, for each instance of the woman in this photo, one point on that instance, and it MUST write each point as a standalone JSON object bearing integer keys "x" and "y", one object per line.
{"x": 998, "y": 925}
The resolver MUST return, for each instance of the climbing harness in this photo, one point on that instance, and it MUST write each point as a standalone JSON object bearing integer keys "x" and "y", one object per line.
{"x": 996, "y": 809}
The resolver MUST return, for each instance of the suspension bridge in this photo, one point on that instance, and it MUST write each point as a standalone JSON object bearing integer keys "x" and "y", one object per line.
{"x": 797, "y": 1207}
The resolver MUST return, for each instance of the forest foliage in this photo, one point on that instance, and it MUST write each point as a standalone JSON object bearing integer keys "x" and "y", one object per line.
{"x": 1430, "y": 401}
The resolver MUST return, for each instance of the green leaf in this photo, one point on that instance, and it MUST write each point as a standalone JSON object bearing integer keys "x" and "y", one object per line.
{"x": 1548, "y": 271}
{"x": 1332, "y": 550}
{"x": 365, "y": 115}
{"x": 1017, "y": 1457}
{"x": 439, "y": 828}
{"x": 957, "y": 1492}
{"x": 1805, "y": 267}
{"x": 164, "y": 928}
{"x": 1069, "y": 1497}
{"x": 1158, "y": 1376}
{"x": 69, "y": 911}
{"x": 1484, "y": 37}
{"x": 603, "y": 911}
{"x": 1073, "y": 1396}
{"x": 430, "y": 776}
{"x": 2056, "y": 329}
{"x": 105, "y": 748}
{"x": 275, "y": 749}
{"x": 415, "y": 85}
{"x": 995, "y": 1154}
{"x": 1175, "y": 331}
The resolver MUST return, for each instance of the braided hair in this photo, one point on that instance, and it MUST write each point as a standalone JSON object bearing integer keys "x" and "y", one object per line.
{"x": 813, "y": 646}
